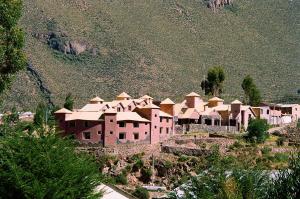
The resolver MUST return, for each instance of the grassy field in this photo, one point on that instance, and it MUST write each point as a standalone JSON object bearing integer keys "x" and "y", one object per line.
{"x": 163, "y": 48}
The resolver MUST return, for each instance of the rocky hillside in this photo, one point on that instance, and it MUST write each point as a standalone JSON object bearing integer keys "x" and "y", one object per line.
{"x": 163, "y": 48}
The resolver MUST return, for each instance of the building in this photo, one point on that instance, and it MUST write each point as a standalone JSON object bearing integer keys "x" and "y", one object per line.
{"x": 213, "y": 113}
{"x": 124, "y": 120}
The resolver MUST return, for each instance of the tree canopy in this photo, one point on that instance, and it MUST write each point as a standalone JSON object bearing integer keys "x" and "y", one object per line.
{"x": 257, "y": 130}
{"x": 252, "y": 94}
{"x": 12, "y": 57}
{"x": 69, "y": 102}
{"x": 213, "y": 85}
{"x": 44, "y": 165}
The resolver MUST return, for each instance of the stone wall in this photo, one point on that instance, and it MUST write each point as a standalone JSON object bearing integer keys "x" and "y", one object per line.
{"x": 122, "y": 150}
{"x": 185, "y": 128}
{"x": 177, "y": 150}
{"x": 222, "y": 142}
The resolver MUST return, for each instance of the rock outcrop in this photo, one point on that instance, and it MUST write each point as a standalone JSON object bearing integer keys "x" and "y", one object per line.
{"x": 215, "y": 4}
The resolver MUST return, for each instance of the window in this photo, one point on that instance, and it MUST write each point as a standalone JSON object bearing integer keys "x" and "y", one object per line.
{"x": 119, "y": 109}
{"x": 161, "y": 119}
{"x": 268, "y": 112}
{"x": 155, "y": 127}
{"x": 146, "y": 133}
{"x": 122, "y": 136}
{"x": 86, "y": 135}
{"x": 136, "y": 136}
{"x": 111, "y": 120}
{"x": 167, "y": 120}
{"x": 111, "y": 132}
{"x": 99, "y": 132}
{"x": 86, "y": 124}
{"x": 136, "y": 125}
{"x": 122, "y": 124}
{"x": 167, "y": 130}
{"x": 160, "y": 130}
{"x": 72, "y": 124}
{"x": 155, "y": 115}
{"x": 129, "y": 108}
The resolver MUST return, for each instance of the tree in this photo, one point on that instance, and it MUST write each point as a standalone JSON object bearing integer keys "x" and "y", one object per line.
{"x": 252, "y": 94}
{"x": 40, "y": 115}
{"x": 45, "y": 166}
{"x": 12, "y": 57}
{"x": 69, "y": 102}
{"x": 257, "y": 130}
{"x": 213, "y": 85}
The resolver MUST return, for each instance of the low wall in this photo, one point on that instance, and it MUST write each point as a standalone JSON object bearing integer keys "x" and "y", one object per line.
{"x": 122, "y": 150}
{"x": 223, "y": 142}
{"x": 185, "y": 150}
{"x": 179, "y": 129}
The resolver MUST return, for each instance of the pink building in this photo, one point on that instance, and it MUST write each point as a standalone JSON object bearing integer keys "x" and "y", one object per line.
{"x": 124, "y": 120}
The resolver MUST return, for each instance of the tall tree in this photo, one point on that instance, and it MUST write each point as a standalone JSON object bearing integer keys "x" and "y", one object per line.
{"x": 213, "y": 85}
{"x": 252, "y": 94}
{"x": 12, "y": 58}
{"x": 69, "y": 102}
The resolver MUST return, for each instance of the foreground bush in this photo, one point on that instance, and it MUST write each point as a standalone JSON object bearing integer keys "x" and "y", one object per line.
{"x": 141, "y": 193}
{"x": 44, "y": 166}
{"x": 257, "y": 130}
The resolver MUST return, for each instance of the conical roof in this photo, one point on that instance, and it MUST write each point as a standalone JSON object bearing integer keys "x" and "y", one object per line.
{"x": 146, "y": 97}
{"x": 236, "y": 102}
{"x": 193, "y": 94}
{"x": 97, "y": 99}
{"x": 215, "y": 99}
{"x": 63, "y": 110}
{"x": 123, "y": 95}
{"x": 167, "y": 101}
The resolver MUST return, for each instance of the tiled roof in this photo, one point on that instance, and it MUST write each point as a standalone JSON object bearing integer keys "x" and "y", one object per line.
{"x": 146, "y": 97}
{"x": 123, "y": 95}
{"x": 88, "y": 116}
{"x": 193, "y": 94}
{"x": 151, "y": 106}
{"x": 92, "y": 107}
{"x": 63, "y": 110}
{"x": 130, "y": 116}
{"x": 215, "y": 99}
{"x": 190, "y": 113}
{"x": 164, "y": 114}
{"x": 167, "y": 101}
{"x": 236, "y": 102}
{"x": 97, "y": 99}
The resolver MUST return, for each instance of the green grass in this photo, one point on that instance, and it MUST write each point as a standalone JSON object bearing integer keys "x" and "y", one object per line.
{"x": 167, "y": 52}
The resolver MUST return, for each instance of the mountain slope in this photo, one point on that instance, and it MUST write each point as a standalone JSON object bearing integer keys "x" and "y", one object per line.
{"x": 163, "y": 48}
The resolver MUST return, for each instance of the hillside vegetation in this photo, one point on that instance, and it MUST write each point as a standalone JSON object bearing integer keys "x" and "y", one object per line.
{"x": 163, "y": 48}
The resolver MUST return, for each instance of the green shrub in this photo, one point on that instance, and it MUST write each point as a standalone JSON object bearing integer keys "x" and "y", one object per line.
{"x": 146, "y": 174}
{"x": 257, "y": 130}
{"x": 121, "y": 179}
{"x": 281, "y": 157}
{"x": 168, "y": 164}
{"x": 266, "y": 150}
{"x": 280, "y": 141}
{"x": 137, "y": 165}
{"x": 183, "y": 158}
{"x": 141, "y": 193}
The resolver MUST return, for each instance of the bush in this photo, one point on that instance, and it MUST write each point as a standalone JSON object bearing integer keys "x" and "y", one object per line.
{"x": 183, "y": 158}
{"x": 281, "y": 157}
{"x": 121, "y": 179}
{"x": 44, "y": 166}
{"x": 257, "y": 130}
{"x": 137, "y": 165}
{"x": 141, "y": 193}
{"x": 146, "y": 174}
{"x": 280, "y": 141}
{"x": 266, "y": 150}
